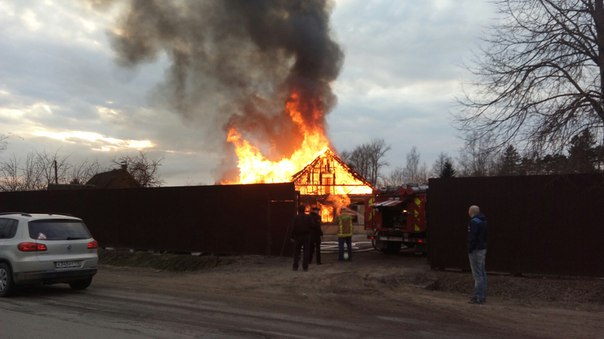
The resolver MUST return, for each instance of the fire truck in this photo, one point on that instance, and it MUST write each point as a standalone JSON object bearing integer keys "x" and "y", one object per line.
{"x": 397, "y": 218}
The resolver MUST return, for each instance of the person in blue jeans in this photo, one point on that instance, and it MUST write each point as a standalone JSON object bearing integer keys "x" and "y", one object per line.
{"x": 477, "y": 251}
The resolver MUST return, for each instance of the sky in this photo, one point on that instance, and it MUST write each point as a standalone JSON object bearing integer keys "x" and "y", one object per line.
{"x": 62, "y": 91}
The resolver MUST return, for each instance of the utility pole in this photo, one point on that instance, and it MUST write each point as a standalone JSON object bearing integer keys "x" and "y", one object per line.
{"x": 56, "y": 175}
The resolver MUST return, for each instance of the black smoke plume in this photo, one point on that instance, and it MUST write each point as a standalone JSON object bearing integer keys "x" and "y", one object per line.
{"x": 235, "y": 62}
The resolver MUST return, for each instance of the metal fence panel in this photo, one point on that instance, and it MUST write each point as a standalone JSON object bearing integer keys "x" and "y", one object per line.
{"x": 250, "y": 219}
{"x": 537, "y": 224}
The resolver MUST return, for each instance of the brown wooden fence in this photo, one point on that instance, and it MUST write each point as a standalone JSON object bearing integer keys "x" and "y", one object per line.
{"x": 537, "y": 224}
{"x": 250, "y": 219}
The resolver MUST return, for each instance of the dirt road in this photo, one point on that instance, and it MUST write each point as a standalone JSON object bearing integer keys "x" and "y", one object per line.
{"x": 249, "y": 297}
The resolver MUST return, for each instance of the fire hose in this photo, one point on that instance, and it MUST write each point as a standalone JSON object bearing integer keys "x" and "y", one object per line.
{"x": 357, "y": 246}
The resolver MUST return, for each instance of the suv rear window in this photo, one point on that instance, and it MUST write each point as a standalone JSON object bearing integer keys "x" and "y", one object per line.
{"x": 8, "y": 228}
{"x": 56, "y": 229}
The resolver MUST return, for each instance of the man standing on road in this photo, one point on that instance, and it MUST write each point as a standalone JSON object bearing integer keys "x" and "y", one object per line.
{"x": 477, "y": 251}
{"x": 315, "y": 235}
{"x": 301, "y": 238}
{"x": 345, "y": 234}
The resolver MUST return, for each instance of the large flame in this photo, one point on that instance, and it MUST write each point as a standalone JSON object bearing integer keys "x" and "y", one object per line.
{"x": 255, "y": 167}
{"x": 329, "y": 181}
{"x": 333, "y": 205}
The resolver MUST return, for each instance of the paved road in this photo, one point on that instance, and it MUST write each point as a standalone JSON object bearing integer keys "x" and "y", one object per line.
{"x": 107, "y": 312}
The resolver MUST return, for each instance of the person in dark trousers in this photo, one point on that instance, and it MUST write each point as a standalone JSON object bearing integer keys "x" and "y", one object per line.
{"x": 345, "y": 231}
{"x": 315, "y": 235}
{"x": 477, "y": 251}
{"x": 300, "y": 236}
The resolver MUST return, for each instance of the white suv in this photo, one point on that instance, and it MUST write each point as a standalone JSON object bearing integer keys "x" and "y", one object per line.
{"x": 45, "y": 248}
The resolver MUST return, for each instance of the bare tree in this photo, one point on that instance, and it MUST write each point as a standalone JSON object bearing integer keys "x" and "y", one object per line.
{"x": 31, "y": 175}
{"x": 80, "y": 174}
{"x": 414, "y": 171}
{"x": 9, "y": 170}
{"x": 37, "y": 171}
{"x": 143, "y": 169}
{"x": 367, "y": 159}
{"x": 540, "y": 77}
{"x": 52, "y": 167}
{"x": 411, "y": 169}
{"x": 396, "y": 177}
{"x": 358, "y": 159}
{"x": 477, "y": 157}
{"x": 10, "y": 179}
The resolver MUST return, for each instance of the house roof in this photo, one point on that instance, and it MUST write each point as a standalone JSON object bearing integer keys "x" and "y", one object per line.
{"x": 330, "y": 154}
{"x": 117, "y": 178}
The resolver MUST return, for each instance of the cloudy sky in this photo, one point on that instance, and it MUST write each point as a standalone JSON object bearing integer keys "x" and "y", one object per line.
{"x": 61, "y": 89}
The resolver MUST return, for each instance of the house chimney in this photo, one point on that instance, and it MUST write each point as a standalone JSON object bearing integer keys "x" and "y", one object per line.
{"x": 124, "y": 165}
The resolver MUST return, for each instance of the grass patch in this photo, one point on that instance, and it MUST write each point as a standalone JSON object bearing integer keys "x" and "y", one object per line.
{"x": 161, "y": 261}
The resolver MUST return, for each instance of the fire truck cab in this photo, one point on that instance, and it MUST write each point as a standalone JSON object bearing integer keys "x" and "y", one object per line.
{"x": 397, "y": 218}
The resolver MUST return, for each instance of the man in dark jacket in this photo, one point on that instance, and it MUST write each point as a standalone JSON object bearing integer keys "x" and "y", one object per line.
{"x": 300, "y": 236}
{"x": 315, "y": 235}
{"x": 477, "y": 251}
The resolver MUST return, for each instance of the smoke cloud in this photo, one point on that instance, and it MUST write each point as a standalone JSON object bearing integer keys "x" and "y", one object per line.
{"x": 235, "y": 62}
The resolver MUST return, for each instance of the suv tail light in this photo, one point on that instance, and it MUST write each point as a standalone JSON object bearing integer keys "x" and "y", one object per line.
{"x": 93, "y": 245}
{"x": 31, "y": 247}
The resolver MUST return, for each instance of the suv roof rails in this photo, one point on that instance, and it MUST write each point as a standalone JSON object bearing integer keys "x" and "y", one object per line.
{"x": 64, "y": 214}
{"x": 29, "y": 214}
{"x": 21, "y": 213}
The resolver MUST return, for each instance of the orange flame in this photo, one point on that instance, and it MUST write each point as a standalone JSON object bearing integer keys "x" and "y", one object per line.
{"x": 255, "y": 167}
{"x": 332, "y": 206}
{"x": 328, "y": 179}
{"x": 326, "y": 213}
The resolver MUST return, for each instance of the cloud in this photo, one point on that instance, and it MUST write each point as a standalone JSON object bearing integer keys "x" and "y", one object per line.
{"x": 61, "y": 88}
{"x": 61, "y": 91}
{"x": 96, "y": 141}
{"x": 402, "y": 72}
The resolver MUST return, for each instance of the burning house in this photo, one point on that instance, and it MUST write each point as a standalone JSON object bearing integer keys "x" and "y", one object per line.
{"x": 330, "y": 184}
{"x": 322, "y": 178}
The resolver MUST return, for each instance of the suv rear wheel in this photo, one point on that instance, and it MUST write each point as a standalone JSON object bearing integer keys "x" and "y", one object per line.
{"x": 6, "y": 280}
{"x": 81, "y": 284}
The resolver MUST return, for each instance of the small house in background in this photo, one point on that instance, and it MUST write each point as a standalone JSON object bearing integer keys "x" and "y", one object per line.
{"x": 330, "y": 184}
{"x": 117, "y": 178}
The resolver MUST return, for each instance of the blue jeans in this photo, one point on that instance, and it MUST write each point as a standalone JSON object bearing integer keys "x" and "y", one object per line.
{"x": 341, "y": 241}
{"x": 477, "y": 263}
